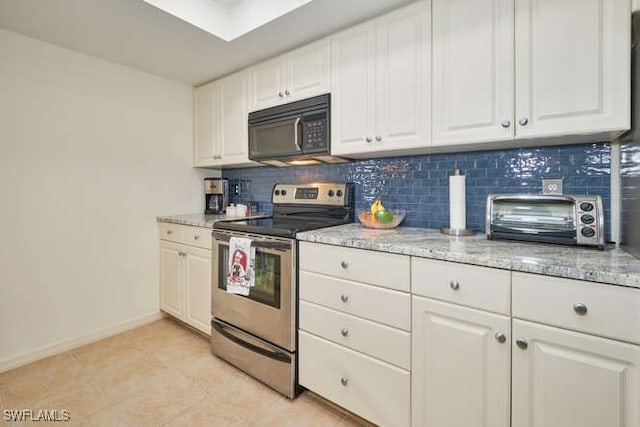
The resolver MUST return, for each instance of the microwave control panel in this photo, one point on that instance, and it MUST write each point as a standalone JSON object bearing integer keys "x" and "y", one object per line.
{"x": 315, "y": 133}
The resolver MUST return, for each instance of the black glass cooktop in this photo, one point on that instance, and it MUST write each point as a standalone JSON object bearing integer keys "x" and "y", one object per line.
{"x": 274, "y": 226}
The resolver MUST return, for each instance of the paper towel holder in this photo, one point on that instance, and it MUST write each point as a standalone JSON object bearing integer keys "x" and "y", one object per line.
{"x": 456, "y": 231}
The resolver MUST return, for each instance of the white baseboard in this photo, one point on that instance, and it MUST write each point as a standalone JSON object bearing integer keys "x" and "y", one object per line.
{"x": 85, "y": 339}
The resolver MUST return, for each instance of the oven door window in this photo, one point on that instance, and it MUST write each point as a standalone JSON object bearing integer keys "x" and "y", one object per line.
{"x": 267, "y": 275}
{"x": 540, "y": 217}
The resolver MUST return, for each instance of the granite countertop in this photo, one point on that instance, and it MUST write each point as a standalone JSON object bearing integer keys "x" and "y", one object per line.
{"x": 611, "y": 266}
{"x": 202, "y": 220}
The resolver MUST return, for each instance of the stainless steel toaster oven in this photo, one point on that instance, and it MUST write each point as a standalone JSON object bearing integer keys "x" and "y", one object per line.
{"x": 568, "y": 220}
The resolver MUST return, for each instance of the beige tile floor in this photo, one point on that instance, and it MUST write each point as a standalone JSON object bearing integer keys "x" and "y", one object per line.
{"x": 160, "y": 374}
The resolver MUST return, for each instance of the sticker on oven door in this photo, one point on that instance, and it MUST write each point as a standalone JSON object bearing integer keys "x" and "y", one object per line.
{"x": 240, "y": 277}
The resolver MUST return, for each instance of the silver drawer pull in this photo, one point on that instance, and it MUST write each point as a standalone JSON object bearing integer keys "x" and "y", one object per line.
{"x": 580, "y": 308}
{"x": 522, "y": 344}
{"x": 196, "y": 237}
{"x": 344, "y": 264}
{"x": 344, "y": 381}
{"x": 454, "y": 284}
{"x": 500, "y": 337}
{"x": 344, "y": 298}
{"x": 344, "y": 332}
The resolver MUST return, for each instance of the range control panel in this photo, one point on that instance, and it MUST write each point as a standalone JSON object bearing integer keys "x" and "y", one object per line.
{"x": 320, "y": 193}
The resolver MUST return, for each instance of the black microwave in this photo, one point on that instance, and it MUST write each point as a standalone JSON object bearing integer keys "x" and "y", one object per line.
{"x": 295, "y": 133}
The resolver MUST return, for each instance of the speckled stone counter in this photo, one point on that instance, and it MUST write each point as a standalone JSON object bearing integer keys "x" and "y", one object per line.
{"x": 611, "y": 266}
{"x": 201, "y": 220}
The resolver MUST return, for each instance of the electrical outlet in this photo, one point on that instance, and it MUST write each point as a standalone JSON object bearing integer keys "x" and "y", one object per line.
{"x": 552, "y": 186}
{"x": 236, "y": 189}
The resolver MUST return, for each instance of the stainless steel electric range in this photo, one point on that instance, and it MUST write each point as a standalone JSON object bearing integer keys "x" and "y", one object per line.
{"x": 257, "y": 332}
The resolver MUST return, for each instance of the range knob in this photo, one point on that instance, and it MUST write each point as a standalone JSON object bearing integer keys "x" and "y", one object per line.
{"x": 588, "y": 232}
{"x": 330, "y": 193}
{"x": 277, "y": 192}
{"x": 586, "y": 206}
{"x": 339, "y": 193}
{"x": 587, "y": 219}
{"x": 283, "y": 192}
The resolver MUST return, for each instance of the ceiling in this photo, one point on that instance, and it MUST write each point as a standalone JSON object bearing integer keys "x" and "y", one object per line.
{"x": 138, "y": 35}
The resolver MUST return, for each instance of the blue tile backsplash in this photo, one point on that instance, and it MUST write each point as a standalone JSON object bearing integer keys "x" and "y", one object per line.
{"x": 420, "y": 184}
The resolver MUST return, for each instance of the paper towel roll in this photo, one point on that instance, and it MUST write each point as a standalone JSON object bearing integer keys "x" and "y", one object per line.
{"x": 457, "y": 203}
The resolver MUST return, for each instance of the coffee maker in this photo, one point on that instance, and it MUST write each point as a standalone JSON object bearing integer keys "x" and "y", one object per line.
{"x": 216, "y": 195}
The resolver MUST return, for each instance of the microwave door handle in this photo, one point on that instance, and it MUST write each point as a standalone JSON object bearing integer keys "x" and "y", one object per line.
{"x": 295, "y": 134}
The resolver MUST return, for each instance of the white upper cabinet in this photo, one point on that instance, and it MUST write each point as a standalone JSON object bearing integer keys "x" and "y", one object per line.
{"x": 572, "y": 66}
{"x": 381, "y": 84}
{"x": 221, "y": 134}
{"x": 299, "y": 74}
{"x": 505, "y": 69}
{"x": 206, "y": 124}
{"x": 473, "y": 63}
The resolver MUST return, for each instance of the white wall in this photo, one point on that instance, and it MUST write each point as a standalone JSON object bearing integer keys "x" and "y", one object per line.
{"x": 90, "y": 153}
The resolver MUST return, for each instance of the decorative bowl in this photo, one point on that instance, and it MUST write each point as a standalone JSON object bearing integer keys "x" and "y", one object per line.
{"x": 370, "y": 221}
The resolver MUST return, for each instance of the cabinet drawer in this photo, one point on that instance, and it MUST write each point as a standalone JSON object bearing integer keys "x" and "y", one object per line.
{"x": 368, "y": 387}
{"x": 198, "y": 236}
{"x": 172, "y": 232}
{"x": 392, "y": 308}
{"x": 377, "y": 268}
{"x": 479, "y": 287}
{"x": 376, "y": 340}
{"x": 605, "y": 310}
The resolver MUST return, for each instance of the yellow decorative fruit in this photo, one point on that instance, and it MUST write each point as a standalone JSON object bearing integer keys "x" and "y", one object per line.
{"x": 376, "y": 207}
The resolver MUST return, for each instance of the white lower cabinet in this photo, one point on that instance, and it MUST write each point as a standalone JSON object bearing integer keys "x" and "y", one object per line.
{"x": 565, "y": 372}
{"x": 461, "y": 366}
{"x": 566, "y": 378}
{"x": 185, "y": 274}
{"x": 461, "y": 353}
{"x": 354, "y": 335}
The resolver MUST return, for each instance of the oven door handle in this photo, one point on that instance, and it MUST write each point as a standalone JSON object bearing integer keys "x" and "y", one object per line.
{"x": 268, "y": 244}
{"x": 227, "y": 333}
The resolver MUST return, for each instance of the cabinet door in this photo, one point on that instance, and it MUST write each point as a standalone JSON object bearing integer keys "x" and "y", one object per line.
{"x": 460, "y": 370}
{"x": 403, "y": 79}
{"x": 198, "y": 289}
{"x": 353, "y": 90}
{"x": 234, "y": 140}
{"x": 308, "y": 71}
{"x": 207, "y": 124}
{"x": 171, "y": 279}
{"x": 473, "y": 71}
{"x": 572, "y": 66}
{"x": 564, "y": 378}
{"x": 267, "y": 84}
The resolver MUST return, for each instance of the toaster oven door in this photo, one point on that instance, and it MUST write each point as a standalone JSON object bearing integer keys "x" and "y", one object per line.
{"x": 543, "y": 220}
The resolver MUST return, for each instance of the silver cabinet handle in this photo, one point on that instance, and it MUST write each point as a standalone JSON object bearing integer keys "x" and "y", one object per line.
{"x": 454, "y": 284}
{"x": 368, "y": 139}
{"x": 281, "y": 95}
{"x": 580, "y": 308}
{"x": 500, "y": 337}
{"x": 286, "y": 92}
{"x": 506, "y": 123}
{"x": 378, "y": 138}
{"x": 523, "y": 121}
{"x": 344, "y": 381}
{"x": 522, "y": 344}
{"x": 344, "y": 332}
{"x": 344, "y": 264}
{"x": 344, "y": 298}
{"x": 196, "y": 237}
